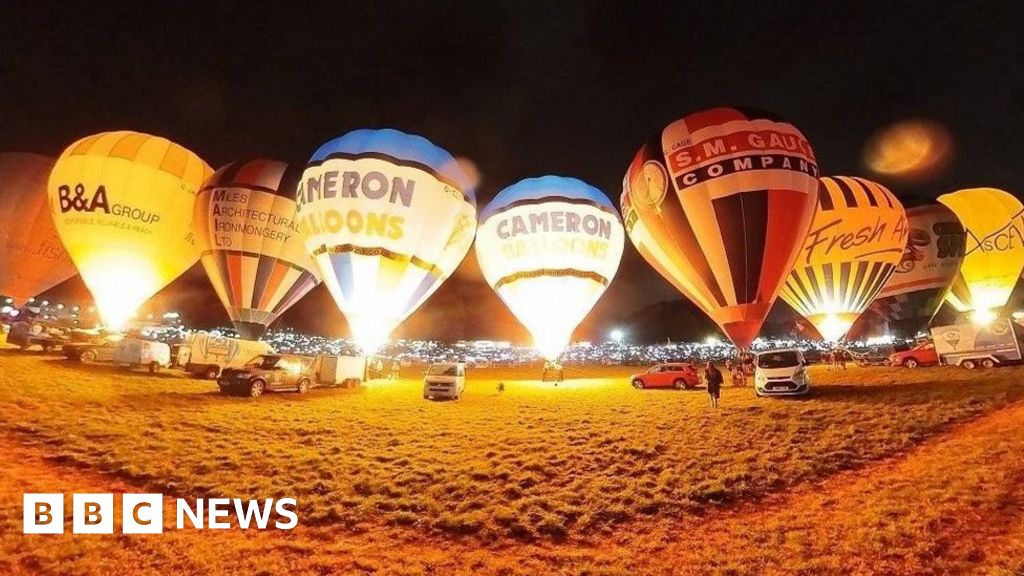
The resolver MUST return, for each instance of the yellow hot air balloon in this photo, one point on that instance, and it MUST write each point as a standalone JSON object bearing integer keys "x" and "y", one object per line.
{"x": 122, "y": 205}
{"x": 994, "y": 253}
{"x": 251, "y": 247}
{"x": 856, "y": 240}
{"x": 549, "y": 247}
{"x": 388, "y": 216}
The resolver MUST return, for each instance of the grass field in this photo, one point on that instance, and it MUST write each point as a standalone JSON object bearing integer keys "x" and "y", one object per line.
{"x": 578, "y": 479}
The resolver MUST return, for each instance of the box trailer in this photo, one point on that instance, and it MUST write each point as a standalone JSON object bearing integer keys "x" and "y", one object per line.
{"x": 347, "y": 371}
{"x": 135, "y": 352}
{"x": 972, "y": 345}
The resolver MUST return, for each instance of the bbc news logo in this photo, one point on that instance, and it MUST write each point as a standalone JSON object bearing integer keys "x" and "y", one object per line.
{"x": 144, "y": 513}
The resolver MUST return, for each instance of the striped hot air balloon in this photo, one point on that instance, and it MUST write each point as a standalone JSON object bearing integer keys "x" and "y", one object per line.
{"x": 924, "y": 275}
{"x": 250, "y": 244}
{"x": 122, "y": 204}
{"x": 389, "y": 217}
{"x": 32, "y": 259}
{"x": 853, "y": 247}
{"x": 549, "y": 247}
{"x": 719, "y": 203}
{"x": 994, "y": 253}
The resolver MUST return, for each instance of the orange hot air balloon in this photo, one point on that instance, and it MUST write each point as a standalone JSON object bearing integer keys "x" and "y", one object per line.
{"x": 32, "y": 259}
{"x": 854, "y": 245}
{"x": 719, "y": 203}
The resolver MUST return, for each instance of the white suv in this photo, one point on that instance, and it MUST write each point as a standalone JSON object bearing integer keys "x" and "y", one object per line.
{"x": 781, "y": 373}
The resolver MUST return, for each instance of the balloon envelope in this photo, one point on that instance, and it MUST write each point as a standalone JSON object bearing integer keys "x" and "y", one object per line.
{"x": 249, "y": 242}
{"x": 549, "y": 247}
{"x": 854, "y": 244}
{"x": 931, "y": 259}
{"x": 32, "y": 259}
{"x": 719, "y": 202}
{"x": 389, "y": 216}
{"x": 994, "y": 253}
{"x": 122, "y": 204}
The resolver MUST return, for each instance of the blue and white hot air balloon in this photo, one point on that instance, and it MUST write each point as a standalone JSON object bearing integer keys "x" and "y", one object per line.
{"x": 549, "y": 247}
{"x": 388, "y": 217}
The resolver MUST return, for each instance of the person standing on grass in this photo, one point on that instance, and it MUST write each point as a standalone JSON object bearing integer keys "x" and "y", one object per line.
{"x": 739, "y": 377}
{"x": 840, "y": 359}
{"x": 713, "y": 377}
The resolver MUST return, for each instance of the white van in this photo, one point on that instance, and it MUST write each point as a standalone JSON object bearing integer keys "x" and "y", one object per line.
{"x": 444, "y": 381}
{"x": 136, "y": 352}
{"x": 781, "y": 373}
{"x": 205, "y": 355}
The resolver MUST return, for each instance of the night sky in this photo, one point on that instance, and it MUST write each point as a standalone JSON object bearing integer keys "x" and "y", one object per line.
{"x": 521, "y": 88}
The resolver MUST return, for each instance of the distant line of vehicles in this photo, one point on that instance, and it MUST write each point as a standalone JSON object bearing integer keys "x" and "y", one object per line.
{"x": 239, "y": 366}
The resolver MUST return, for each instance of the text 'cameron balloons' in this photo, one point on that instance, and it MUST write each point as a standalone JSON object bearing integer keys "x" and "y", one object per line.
{"x": 32, "y": 259}
{"x": 388, "y": 217}
{"x": 994, "y": 253}
{"x": 854, "y": 244}
{"x": 122, "y": 204}
{"x": 250, "y": 244}
{"x": 719, "y": 203}
{"x": 549, "y": 247}
{"x": 931, "y": 259}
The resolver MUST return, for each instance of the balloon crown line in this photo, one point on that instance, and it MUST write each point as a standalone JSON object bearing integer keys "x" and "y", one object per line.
{"x": 385, "y": 216}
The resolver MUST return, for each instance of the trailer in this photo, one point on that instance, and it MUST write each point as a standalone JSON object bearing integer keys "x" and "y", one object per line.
{"x": 345, "y": 371}
{"x": 972, "y": 345}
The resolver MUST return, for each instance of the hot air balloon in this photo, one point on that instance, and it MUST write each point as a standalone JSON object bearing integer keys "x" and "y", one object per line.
{"x": 122, "y": 204}
{"x": 931, "y": 259}
{"x": 854, "y": 244}
{"x": 994, "y": 253}
{"x": 32, "y": 259}
{"x": 245, "y": 228}
{"x": 549, "y": 247}
{"x": 719, "y": 203}
{"x": 388, "y": 216}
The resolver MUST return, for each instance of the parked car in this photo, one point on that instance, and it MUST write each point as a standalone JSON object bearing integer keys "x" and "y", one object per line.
{"x": 269, "y": 373}
{"x": 872, "y": 355}
{"x": 444, "y": 381}
{"x": 923, "y": 354}
{"x": 679, "y": 376}
{"x": 91, "y": 346}
{"x": 205, "y": 355}
{"x": 90, "y": 352}
{"x": 781, "y": 373}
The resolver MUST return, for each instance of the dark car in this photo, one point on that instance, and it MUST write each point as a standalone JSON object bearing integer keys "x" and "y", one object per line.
{"x": 678, "y": 375}
{"x": 269, "y": 372}
{"x": 90, "y": 352}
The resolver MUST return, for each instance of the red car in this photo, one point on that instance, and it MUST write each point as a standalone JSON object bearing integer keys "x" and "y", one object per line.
{"x": 678, "y": 376}
{"x": 921, "y": 355}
